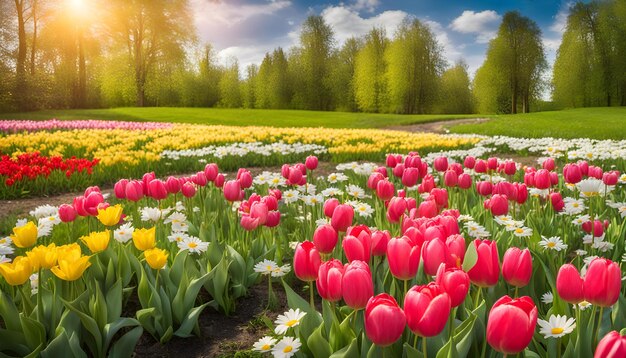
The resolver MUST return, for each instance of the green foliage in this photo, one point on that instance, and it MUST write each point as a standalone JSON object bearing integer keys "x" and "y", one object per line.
{"x": 414, "y": 64}
{"x": 370, "y": 85}
{"x": 455, "y": 95}
{"x": 510, "y": 78}
{"x": 230, "y": 87}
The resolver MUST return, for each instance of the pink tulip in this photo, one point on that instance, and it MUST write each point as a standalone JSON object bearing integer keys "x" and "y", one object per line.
{"x": 210, "y": 171}
{"x": 67, "y": 213}
{"x": 329, "y": 278}
{"x": 464, "y": 181}
{"x": 441, "y": 164}
{"x": 232, "y": 190}
{"x": 379, "y": 241}
{"x": 357, "y": 285}
{"x": 120, "y": 188}
{"x": 410, "y": 177}
{"x": 329, "y": 207}
{"x": 455, "y": 282}
{"x": 325, "y": 238}
{"x": 517, "y": 267}
{"x": 384, "y": 320}
{"x": 486, "y": 271}
{"x": 396, "y": 208}
{"x": 385, "y": 189}
{"x": 157, "y": 189}
{"x": 469, "y": 162}
{"x": 134, "y": 190}
{"x": 569, "y": 284}
{"x": 306, "y": 261}
{"x": 311, "y": 162}
{"x": 342, "y": 217}
{"x": 511, "y": 324}
{"x": 172, "y": 185}
{"x": 613, "y": 345}
{"x": 403, "y": 256}
{"x": 427, "y": 309}
{"x": 428, "y": 209}
{"x": 188, "y": 190}
{"x": 603, "y": 282}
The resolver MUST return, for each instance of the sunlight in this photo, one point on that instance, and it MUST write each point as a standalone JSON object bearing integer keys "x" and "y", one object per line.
{"x": 78, "y": 7}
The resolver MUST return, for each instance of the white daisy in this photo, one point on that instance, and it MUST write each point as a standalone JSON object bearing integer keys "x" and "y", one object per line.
{"x": 589, "y": 239}
{"x": 523, "y": 232}
{"x": 34, "y": 283}
{"x": 288, "y": 320}
{"x": 538, "y": 193}
{"x": 194, "y": 245}
{"x": 590, "y": 187}
{"x": 266, "y": 267}
{"x": 355, "y": 191}
{"x": 6, "y": 241}
{"x": 44, "y": 211}
{"x": 580, "y": 252}
{"x": 624, "y": 258}
{"x": 603, "y": 246}
{"x": 580, "y": 220}
{"x": 179, "y": 206}
{"x": 364, "y": 210}
{"x": 287, "y": 347}
{"x": 6, "y": 250}
{"x": 583, "y": 305}
{"x": 293, "y": 244}
{"x": 465, "y": 218}
{"x": 331, "y": 192}
{"x": 4, "y": 259}
{"x": 281, "y": 271}
{"x": 553, "y": 243}
{"x": 44, "y": 229}
{"x": 322, "y": 221}
{"x": 152, "y": 214}
{"x": 513, "y": 225}
{"x": 475, "y": 230}
{"x": 21, "y": 222}
{"x": 503, "y": 219}
{"x": 264, "y": 344}
{"x": 50, "y": 220}
{"x": 547, "y": 298}
{"x": 123, "y": 233}
{"x": 175, "y": 217}
{"x": 180, "y": 226}
{"x": 290, "y": 196}
{"x": 312, "y": 200}
{"x": 337, "y": 177}
{"x": 556, "y": 326}
{"x": 573, "y": 206}
{"x": 178, "y": 237}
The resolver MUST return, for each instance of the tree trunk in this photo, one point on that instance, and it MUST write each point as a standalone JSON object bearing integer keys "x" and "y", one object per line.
{"x": 82, "y": 73}
{"x": 33, "y": 50}
{"x": 514, "y": 99}
{"x": 20, "y": 80}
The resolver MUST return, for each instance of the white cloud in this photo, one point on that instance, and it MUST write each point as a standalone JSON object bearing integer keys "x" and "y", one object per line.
{"x": 451, "y": 52}
{"x": 369, "y": 5}
{"x": 226, "y": 13}
{"x": 483, "y": 24}
{"x": 347, "y": 22}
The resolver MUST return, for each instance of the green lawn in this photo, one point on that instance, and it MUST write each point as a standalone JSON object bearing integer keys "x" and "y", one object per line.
{"x": 240, "y": 117}
{"x": 598, "y": 123}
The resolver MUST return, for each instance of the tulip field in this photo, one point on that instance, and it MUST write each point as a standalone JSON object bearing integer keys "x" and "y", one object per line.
{"x": 413, "y": 245}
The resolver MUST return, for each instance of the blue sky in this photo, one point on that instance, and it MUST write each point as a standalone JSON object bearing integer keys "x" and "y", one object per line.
{"x": 246, "y": 29}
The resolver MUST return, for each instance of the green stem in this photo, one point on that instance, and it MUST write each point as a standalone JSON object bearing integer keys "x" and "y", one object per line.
{"x": 415, "y": 342}
{"x": 476, "y": 300}
{"x": 312, "y": 299}
{"x": 425, "y": 350}
{"x": 516, "y": 291}
{"x": 595, "y": 341}
{"x": 558, "y": 347}
{"x": 406, "y": 288}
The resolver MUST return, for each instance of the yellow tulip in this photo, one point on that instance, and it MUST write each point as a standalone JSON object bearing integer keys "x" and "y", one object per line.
{"x": 144, "y": 239}
{"x": 16, "y": 272}
{"x": 110, "y": 216}
{"x": 156, "y": 258}
{"x": 43, "y": 256}
{"x": 71, "y": 252}
{"x": 71, "y": 270}
{"x": 97, "y": 241}
{"x": 25, "y": 236}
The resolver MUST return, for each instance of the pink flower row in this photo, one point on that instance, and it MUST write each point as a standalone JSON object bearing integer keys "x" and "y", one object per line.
{"x": 55, "y": 124}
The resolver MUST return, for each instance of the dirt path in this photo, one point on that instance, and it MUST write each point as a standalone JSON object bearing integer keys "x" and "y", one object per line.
{"x": 435, "y": 127}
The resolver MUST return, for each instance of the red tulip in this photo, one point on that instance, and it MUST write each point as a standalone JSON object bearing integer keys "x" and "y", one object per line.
{"x": 329, "y": 207}
{"x": 557, "y": 201}
{"x": 441, "y": 164}
{"x": 219, "y": 180}
{"x": 469, "y": 162}
{"x": 395, "y": 209}
{"x": 456, "y": 248}
{"x": 357, "y": 248}
{"x": 517, "y": 267}
{"x": 434, "y": 253}
{"x": 610, "y": 178}
{"x": 398, "y": 170}
{"x": 306, "y": 261}
{"x": 232, "y": 190}
{"x": 410, "y": 176}
{"x": 542, "y": 179}
{"x": 450, "y": 178}
{"x": 384, "y": 320}
{"x": 134, "y": 190}
{"x": 455, "y": 282}
{"x": 480, "y": 166}
{"x": 325, "y": 238}
{"x": 199, "y": 179}
{"x": 603, "y": 282}
{"x": 273, "y": 218}
{"x": 67, "y": 213}
{"x": 427, "y": 309}
{"x": 120, "y": 188}
{"x": 157, "y": 189}
{"x": 329, "y": 279}
{"x": 210, "y": 171}
{"x": 498, "y": 204}
{"x": 492, "y": 163}
{"x": 172, "y": 185}
{"x": 594, "y": 172}
{"x": 373, "y": 179}
{"x": 510, "y": 167}
{"x": 486, "y": 271}
{"x": 188, "y": 190}
{"x": 403, "y": 256}
{"x": 613, "y": 345}
{"x": 357, "y": 285}
{"x": 295, "y": 175}
{"x": 427, "y": 209}
{"x": 244, "y": 177}
{"x": 572, "y": 173}
{"x": 522, "y": 193}
{"x": 342, "y": 217}
{"x": 569, "y": 284}
{"x": 385, "y": 189}
{"x": 511, "y": 324}
{"x": 392, "y": 160}
{"x": 311, "y": 162}
{"x": 464, "y": 181}
{"x": 548, "y": 164}
{"x": 379, "y": 241}
{"x": 484, "y": 188}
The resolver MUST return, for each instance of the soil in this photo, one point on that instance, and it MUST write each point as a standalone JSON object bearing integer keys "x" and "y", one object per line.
{"x": 435, "y": 127}
{"x": 221, "y": 335}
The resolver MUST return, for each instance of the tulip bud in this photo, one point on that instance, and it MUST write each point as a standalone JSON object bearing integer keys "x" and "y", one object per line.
{"x": 384, "y": 320}
{"x": 517, "y": 267}
{"x": 469, "y": 162}
{"x": 219, "y": 180}
{"x": 398, "y": 170}
{"x": 499, "y": 205}
{"x": 188, "y": 190}
{"x": 311, "y": 162}
{"x": 357, "y": 285}
{"x": 329, "y": 279}
{"x": 373, "y": 180}
{"x": 379, "y": 241}
{"x": 427, "y": 309}
{"x": 172, "y": 185}
{"x": 484, "y": 188}
{"x": 342, "y": 217}
{"x": 480, "y": 166}
{"x": 613, "y": 345}
{"x": 403, "y": 256}
{"x": 569, "y": 284}
{"x": 273, "y": 218}
{"x": 410, "y": 176}
{"x": 210, "y": 171}
{"x": 486, "y": 271}
{"x": 357, "y": 247}
{"x": 511, "y": 324}
{"x": 120, "y": 188}
{"x": 157, "y": 189}
{"x": 199, "y": 179}
{"x": 329, "y": 207}
{"x": 455, "y": 282}
{"x": 465, "y": 181}
{"x": 450, "y": 178}
{"x": 572, "y": 173}
{"x": 67, "y": 213}
{"x": 385, "y": 189}
{"x": 548, "y": 164}
{"x": 245, "y": 178}
{"x": 325, "y": 238}
{"x": 134, "y": 190}
{"x": 232, "y": 190}
{"x": 306, "y": 261}
{"x": 396, "y": 208}
{"x": 603, "y": 282}
{"x": 441, "y": 164}
{"x": 542, "y": 179}
{"x": 610, "y": 178}
{"x": 510, "y": 167}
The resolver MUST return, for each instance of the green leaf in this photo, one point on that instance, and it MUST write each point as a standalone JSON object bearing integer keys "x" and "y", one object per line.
{"x": 471, "y": 257}
{"x": 462, "y": 340}
{"x": 111, "y": 329}
{"x": 312, "y": 319}
{"x": 189, "y": 322}
{"x": 114, "y": 301}
{"x": 317, "y": 344}
{"x": 350, "y": 351}
{"x": 410, "y": 352}
{"x": 125, "y": 346}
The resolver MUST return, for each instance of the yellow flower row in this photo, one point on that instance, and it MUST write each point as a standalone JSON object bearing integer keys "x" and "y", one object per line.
{"x": 123, "y": 146}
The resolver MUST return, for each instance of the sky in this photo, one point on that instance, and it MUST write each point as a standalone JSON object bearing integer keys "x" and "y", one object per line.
{"x": 247, "y": 29}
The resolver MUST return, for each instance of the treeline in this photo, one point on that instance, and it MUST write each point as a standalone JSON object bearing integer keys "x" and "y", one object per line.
{"x": 145, "y": 53}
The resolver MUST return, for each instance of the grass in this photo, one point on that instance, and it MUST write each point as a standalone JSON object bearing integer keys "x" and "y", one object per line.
{"x": 240, "y": 117}
{"x": 597, "y": 123}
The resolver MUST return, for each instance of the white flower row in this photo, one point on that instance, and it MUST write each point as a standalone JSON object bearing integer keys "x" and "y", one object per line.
{"x": 243, "y": 149}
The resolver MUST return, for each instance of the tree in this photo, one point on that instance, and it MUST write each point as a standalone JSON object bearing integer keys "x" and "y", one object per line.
{"x": 455, "y": 95}
{"x": 342, "y": 75}
{"x": 230, "y": 87}
{"x": 414, "y": 64}
{"x": 248, "y": 86}
{"x": 516, "y": 60}
{"x": 150, "y": 30}
{"x": 370, "y": 83}
{"x": 316, "y": 41}
{"x": 262, "y": 89}
{"x": 278, "y": 88}
{"x": 209, "y": 77}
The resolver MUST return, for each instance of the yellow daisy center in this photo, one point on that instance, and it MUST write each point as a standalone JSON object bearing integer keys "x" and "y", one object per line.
{"x": 519, "y": 230}
{"x": 288, "y": 349}
{"x": 266, "y": 347}
{"x": 557, "y": 330}
{"x": 268, "y": 267}
{"x": 51, "y": 218}
{"x": 291, "y": 323}
{"x": 193, "y": 245}
{"x": 575, "y": 205}
{"x": 551, "y": 244}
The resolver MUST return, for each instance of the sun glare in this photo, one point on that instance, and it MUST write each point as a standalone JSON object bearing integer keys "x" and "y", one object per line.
{"x": 78, "y": 7}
